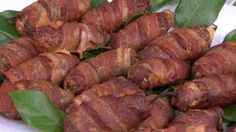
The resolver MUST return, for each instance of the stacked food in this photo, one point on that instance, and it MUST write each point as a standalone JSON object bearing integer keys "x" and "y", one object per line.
{"x": 108, "y": 92}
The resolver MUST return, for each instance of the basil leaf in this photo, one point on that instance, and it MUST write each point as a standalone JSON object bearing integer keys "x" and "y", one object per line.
{"x": 93, "y": 53}
{"x": 230, "y": 113}
{"x": 231, "y": 36}
{"x": 201, "y": 12}
{"x": 97, "y": 3}
{"x": 7, "y": 29}
{"x": 36, "y": 109}
{"x": 156, "y": 4}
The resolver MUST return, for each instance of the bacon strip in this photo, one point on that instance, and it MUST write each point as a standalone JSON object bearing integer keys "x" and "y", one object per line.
{"x": 184, "y": 43}
{"x": 99, "y": 69}
{"x": 75, "y": 37}
{"x": 219, "y": 60}
{"x": 44, "y": 12}
{"x": 112, "y": 16}
{"x": 59, "y": 97}
{"x": 216, "y": 90}
{"x": 143, "y": 30}
{"x": 155, "y": 72}
{"x": 108, "y": 113}
{"x": 17, "y": 52}
{"x": 52, "y": 67}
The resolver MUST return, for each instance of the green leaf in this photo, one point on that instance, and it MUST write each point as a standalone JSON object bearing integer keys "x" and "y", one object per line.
{"x": 230, "y": 113}
{"x": 234, "y": 3}
{"x": 36, "y": 109}
{"x": 231, "y": 36}
{"x": 97, "y": 3}
{"x": 7, "y": 29}
{"x": 156, "y": 4}
{"x": 93, "y": 53}
{"x": 198, "y": 12}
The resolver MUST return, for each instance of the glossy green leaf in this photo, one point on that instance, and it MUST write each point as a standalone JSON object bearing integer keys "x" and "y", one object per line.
{"x": 230, "y": 113}
{"x": 200, "y": 12}
{"x": 93, "y": 53}
{"x": 36, "y": 110}
{"x": 156, "y": 4}
{"x": 7, "y": 29}
{"x": 231, "y": 36}
{"x": 97, "y": 3}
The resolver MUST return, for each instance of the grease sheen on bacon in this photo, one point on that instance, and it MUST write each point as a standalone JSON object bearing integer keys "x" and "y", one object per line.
{"x": 219, "y": 60}
{"x": 146, "y": 28}
{"x": 182, "y": 43}
{"x": 155, "y": 72}
{"x": 44, "y": 12}
{"x": 112, "y": 16}
{"x": 209, "y": 120}
{"x": 216, "y": 90}
{"x": 17, "y": 52}
{"x": 108, "y": 113}
{"x": 74, "y": 37}
{"x": 52, "y": 67}
{"x": 99, "y": 69}
{"x": 59, "y": 97}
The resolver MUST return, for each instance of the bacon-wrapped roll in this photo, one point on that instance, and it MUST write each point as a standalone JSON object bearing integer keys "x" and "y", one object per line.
{"x": 219, "y": 60}
{"x": 108, "y": 113}
{"x": 118, "y": 87}
{"x": 45, "y": 12}
{"x": 76, "y": 37}
{"x": 59, "y": 97}
{"x": 161, "y": 115}
{"x": 146, "y": 28}
{"x": 112, "y": 16}
{"x": 99, "y": 69}
{"x": 216, "y": 90}
{"x": 182, "y": 43}
{"x": 52, "y": 67}
{"x": 17, "y": 52}
{"x": 209, "y": 120}
{"x": 155, "y": 72}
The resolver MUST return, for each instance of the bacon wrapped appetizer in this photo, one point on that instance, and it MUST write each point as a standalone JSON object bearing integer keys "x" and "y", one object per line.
{"x": 219, "y": 60}
{"x": 161, "y": 114}
{"x": 143, "y": 30}
{"x": 108, "y": 113}
{"x": 209, "y": 120}
{"x": 216, "y": 90}
{"x": 99, "y": 69}
{"x": 112, "y": 16}
{"x": 59, "y": 97}
{"x": 183, "y": 43}
{"x": 155, "y": 72}
{"x": 52, "y": 67}
{"x": 118, "y": 87}
{"x": 44, "y": 12}
{"x": 17, "y": 52}
{"x": 74, "y": 37}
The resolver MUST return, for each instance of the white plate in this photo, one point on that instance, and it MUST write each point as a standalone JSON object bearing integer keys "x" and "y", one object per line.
{"x": 226, "y": 23}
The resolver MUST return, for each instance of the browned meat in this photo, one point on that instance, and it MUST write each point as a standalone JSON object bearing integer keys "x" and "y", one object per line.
{"x": 17, "y": 52}
{"x": 44, "y": 12}
{"x": 76, "y": 37}
{"x": 209, "y": 120}
{"x": 182, "y": 43}
{"x": 219, "y": 60}
{"x": 52, "y": 67}
{"x": 59, "y": 97}
{"x": 161, "y": 114}
{"x": 108, "y": 113}
{"x": 155, "y": 72}
{"x": 216, "y": 90}
{"x": 146, "y": 28}
{"x": 112, "y": 16}
{"x": 99, "y": 69}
